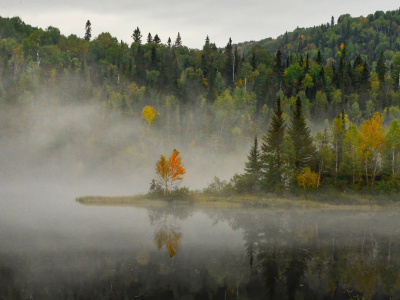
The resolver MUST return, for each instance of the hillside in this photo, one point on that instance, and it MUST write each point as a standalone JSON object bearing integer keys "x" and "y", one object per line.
{"x": 367, "y": 36}
{"x": 352, "y": 66}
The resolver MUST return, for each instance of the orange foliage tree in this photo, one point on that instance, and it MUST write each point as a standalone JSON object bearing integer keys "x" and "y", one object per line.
{"x": 169, "y": 171}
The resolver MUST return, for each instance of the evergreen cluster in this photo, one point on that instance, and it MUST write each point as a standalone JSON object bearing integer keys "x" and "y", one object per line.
{"x": 343, "y": 156}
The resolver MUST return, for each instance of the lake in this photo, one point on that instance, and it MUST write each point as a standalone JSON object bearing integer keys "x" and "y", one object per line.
{"x": 52, "y": 247}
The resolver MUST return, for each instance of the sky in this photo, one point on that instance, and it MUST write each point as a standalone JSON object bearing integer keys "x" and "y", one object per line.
{"x": 241, "y": 20}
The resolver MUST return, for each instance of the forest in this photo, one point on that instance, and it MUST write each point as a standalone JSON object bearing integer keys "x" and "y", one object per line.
{"x": 319, "y": 107}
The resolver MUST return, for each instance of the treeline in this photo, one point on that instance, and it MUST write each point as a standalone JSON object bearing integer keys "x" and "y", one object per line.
{"x": 343, "y": 155}
{"x": 214, "y": 97}
{"x": 230, "y": 90}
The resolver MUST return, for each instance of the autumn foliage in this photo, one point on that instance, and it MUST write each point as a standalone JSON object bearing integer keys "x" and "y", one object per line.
{"x": 308, "y": 179}
{"x": 169, "y": 171}
{"x": 148, "y": 113}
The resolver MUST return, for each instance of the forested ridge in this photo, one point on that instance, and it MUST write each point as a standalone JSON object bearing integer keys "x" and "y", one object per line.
{"x": 337, "y": 77}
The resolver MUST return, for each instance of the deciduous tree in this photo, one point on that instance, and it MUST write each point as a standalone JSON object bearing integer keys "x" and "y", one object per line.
{"x": 148, "y": 113}
{"x": 372, "y": 143}
{"x": 169, "y": 171}
{"x": 392, "y": 141}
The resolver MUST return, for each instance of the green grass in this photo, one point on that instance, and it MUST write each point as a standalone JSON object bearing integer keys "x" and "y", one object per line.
{"x": 337, "y": 201}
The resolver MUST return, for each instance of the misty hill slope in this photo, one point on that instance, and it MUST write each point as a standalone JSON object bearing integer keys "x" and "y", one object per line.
{"x": 362, "y": 35}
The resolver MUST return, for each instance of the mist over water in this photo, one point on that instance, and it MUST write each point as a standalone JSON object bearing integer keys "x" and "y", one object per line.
{"x": 92, "y": 150}
{"x": 52, "y": 247}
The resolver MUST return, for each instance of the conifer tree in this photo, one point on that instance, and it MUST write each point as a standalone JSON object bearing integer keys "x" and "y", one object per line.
{"x": 253, "y": 167}
{"x": 149, "y": 38}
{"x": 157, "y": 39}
{"x": 380, "y": 68}
{"x": 88, "y": 31}
{"x": 304, "y": 149}
{"x": 169, "y": 43}
{"x": 319, "y": 58}
{"x": 178, "y": 41}
{"x": 278, "y": 68}
{"x": 307, "y": 67}
{"x": 272, "y": 149}
{"x": 137, "y": 36}
{"x": 229, "y": 64}
{"x": 236, "y": 63}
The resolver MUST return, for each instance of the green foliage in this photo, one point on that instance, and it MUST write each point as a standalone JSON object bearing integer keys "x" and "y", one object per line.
{"x": 304, "y": 149}
{"x": 253, "y": 168}
{"x": 272, "y": 150}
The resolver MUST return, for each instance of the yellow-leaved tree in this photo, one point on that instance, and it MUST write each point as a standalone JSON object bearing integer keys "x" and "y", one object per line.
{"x": 169, "y": 171}
{"x": 148, "y": 113}
{"x": 308, "y": 179}
{"x": 372, "y": 144}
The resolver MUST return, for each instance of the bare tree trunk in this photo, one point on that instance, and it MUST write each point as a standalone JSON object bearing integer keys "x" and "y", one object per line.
{"x": 393, "y": 161}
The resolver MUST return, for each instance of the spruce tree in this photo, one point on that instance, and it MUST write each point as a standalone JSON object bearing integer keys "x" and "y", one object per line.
{"x": 236, "y": 63}
{"x": 380, "y": 68}
{"x": 88, "y": 31}
{"x": 157, "y": 39}
{"x": 229, "y": 66}
{"x": 278, "y": 68}
{"x": 307, "y": 67}
{"x": 149, "y": 38}
{"x": 253, "y": 167}
{"x": 178, "y": 41}
{"x": 319, "y": 58}
{"x": 304, "y": 149}
{"x": 137, "y": 36}
{"x": 272, "y": 149}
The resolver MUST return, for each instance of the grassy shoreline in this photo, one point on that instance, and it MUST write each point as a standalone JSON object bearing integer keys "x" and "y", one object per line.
{"x": 345, "y": 202}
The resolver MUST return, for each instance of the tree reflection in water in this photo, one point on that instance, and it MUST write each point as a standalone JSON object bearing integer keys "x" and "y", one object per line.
{"x": 284, "y": 255}
{"x": 167, "y": 234}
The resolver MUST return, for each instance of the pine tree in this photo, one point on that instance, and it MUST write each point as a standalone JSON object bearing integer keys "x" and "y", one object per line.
{"x": 149, "y": 38}
{"x": 229, "y": 62}
{"x": 157, "y": 39}
{"x": 332, "y": 21}
{"x": 380, "y": 68}
{"x": 236, "y": 63}
{"x": 304, "y": 149}
{"x": 169, "y": 43}
{"x": 307, "y": 67}
{"x": 253, "y": 167}
{"x": 278, "y": 68}
{"x": 319, "y": 58}
{"x": 88, "y": 31}
{"x": 272, "y": 149}
{"x": 178, "y": 41}
{"x": 137, "y": 36}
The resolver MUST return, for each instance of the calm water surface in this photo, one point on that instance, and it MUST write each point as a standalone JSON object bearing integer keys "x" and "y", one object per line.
{"x": 54, "y": 248}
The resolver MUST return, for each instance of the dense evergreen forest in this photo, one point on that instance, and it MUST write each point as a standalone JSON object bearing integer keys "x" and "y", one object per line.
{"x": 337, "y": 87}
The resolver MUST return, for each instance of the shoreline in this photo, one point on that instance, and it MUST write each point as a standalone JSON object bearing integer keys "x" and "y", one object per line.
{"x": 201, "y": 200}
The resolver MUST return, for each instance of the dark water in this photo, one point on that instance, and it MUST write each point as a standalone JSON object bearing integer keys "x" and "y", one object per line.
{"x": 55, "y": 248}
